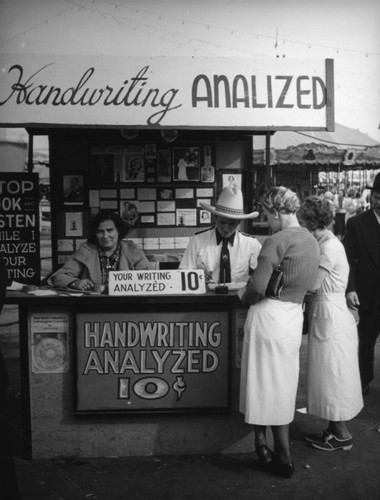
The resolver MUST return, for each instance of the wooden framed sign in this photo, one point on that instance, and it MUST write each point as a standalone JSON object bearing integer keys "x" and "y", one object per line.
{"x": 165, "y": 360}
{"x": 19, "y": 226}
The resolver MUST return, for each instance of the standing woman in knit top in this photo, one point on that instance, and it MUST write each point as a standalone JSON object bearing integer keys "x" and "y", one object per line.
{"x": 273, "y": 330}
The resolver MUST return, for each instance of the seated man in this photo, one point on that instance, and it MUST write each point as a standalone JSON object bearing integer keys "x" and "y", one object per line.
{"x": 223, "y": 252}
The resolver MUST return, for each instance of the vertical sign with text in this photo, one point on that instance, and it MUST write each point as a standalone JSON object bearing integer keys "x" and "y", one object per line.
{"x": 19, "y": 226}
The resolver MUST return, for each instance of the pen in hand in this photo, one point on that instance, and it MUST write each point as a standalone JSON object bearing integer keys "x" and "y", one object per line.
{"x": 202, "y": 265}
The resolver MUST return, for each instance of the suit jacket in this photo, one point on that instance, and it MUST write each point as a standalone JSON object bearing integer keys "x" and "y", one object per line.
{"x": 361, "y": 242}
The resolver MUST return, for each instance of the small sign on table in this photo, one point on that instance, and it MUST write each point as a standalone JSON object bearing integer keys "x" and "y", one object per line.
{"x": 157, "y": 282}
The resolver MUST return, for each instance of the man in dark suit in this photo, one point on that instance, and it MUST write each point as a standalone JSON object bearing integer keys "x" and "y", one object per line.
{"x": 362, "y": 244}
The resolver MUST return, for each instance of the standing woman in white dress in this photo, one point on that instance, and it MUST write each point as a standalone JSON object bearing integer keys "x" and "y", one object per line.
{"x": 333, "y": 380}
{"x": 273, "y": 330}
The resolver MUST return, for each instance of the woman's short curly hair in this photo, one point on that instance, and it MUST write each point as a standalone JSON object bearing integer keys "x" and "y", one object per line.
{"x": 316, "y": 213}
{"x": 281, "y": 199}
{"x": 102, "y": 216}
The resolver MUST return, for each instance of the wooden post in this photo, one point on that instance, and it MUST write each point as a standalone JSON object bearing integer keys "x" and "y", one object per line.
{"x": 268, "y": 167}
{"x": 30, "y": 153}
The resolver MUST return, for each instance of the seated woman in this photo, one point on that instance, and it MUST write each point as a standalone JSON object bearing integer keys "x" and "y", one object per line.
{"x": 104, "y": 251}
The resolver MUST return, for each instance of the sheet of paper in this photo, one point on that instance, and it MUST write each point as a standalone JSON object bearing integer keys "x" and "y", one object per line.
{"x": 42, "y": 292}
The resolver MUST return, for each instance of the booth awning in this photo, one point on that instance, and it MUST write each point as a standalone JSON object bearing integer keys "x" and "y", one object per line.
{"x": 345, "y": 147}
{"x": 323, "y": 155}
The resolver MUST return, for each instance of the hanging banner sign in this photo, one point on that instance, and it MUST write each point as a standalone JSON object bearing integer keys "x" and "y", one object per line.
{"x": 19, "y": 226}
{"x": 160, "y": 282}
{"x": 161, "y": 361}
{"x": 170, "y": 92}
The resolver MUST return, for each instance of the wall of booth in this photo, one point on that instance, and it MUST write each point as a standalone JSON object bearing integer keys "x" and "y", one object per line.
{"x": 155, "y": 185}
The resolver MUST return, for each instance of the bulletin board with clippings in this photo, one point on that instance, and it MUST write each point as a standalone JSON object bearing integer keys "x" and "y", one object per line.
{"x": 158, "y": 187}
{"x": 153, "y": 186}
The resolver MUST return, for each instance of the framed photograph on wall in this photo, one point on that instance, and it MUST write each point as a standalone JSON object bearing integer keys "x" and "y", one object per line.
{"x": 134, "y": 168}
{"x": 148, "y": 220}
{"x": 150, "y": 162}
{"x": 165, "y": 194}
{"x": 205, "y": 192}
{"x": 129, "y": 212}
{"x": 150, "y": 151}
{"x": 73, "y": 189}
{"x": 102, "y": 169}
{"x": 166, "y": 219}
{"x": 207, "y": 155}
{"x": 204, "y": 217}
{"x": 186, "y": 164}
{"x": 73, "y": 224}
{"x": 186, "y": 217}
{"x": 232, "y": 179}
{"x": 164, "y": 166}
{"x": 208, "y": 174}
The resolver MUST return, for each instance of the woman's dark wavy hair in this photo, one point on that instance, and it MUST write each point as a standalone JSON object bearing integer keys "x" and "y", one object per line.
{"x": 103, "y": 215}
{"x": 315, "y": 213}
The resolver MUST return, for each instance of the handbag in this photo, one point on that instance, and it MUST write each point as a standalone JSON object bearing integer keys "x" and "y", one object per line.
{"x": 276, "y": 283}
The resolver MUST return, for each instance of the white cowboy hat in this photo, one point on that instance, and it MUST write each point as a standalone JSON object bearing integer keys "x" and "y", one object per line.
{"x": 230, "y": 205}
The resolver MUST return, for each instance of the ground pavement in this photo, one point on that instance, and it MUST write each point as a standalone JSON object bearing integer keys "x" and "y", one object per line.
{"x": 340, "y": 475}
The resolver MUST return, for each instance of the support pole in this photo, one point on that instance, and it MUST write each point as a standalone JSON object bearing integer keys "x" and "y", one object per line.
{"x": 30, "y": 153}
{"x": 269, "y": 181}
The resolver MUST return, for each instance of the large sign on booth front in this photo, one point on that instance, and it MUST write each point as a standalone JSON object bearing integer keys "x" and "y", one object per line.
{"x": 156, "y": 361}
{"x": 174, "y": 92}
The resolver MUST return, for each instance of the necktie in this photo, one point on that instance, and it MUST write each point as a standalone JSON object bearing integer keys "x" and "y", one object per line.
{"x": 225, "y": 265}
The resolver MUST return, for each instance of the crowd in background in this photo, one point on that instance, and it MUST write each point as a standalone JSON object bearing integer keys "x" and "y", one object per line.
{"x": 346, "y": 204}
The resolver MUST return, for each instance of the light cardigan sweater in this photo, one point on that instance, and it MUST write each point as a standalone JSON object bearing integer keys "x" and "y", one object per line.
{"x": 298, "y": 251}
{"x": 85, "y": 264}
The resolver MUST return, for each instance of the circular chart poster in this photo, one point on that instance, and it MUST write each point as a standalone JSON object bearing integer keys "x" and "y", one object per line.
{"x": 49, "y": 339}
{"x": 50, "y": 353}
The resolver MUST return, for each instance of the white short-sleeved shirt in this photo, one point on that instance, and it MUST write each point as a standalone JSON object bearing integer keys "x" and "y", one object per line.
{"x": 204, "y": 253}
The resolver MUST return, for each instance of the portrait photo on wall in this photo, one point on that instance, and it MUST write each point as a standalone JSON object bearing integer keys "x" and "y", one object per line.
{"x": 73, "y": 189}
{"x": 186, "y": 164}
{"x": 204, "y": 217}
{"x": 208, "y": 174}
{"x": 232, "y": 180}
{"x": 134, "y": 169}
{"x": 102, "y": 168}
{"x": 129, "y": 212}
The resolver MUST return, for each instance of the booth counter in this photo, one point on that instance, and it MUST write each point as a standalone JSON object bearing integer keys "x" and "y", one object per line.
{"x": 130, "y": 375}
